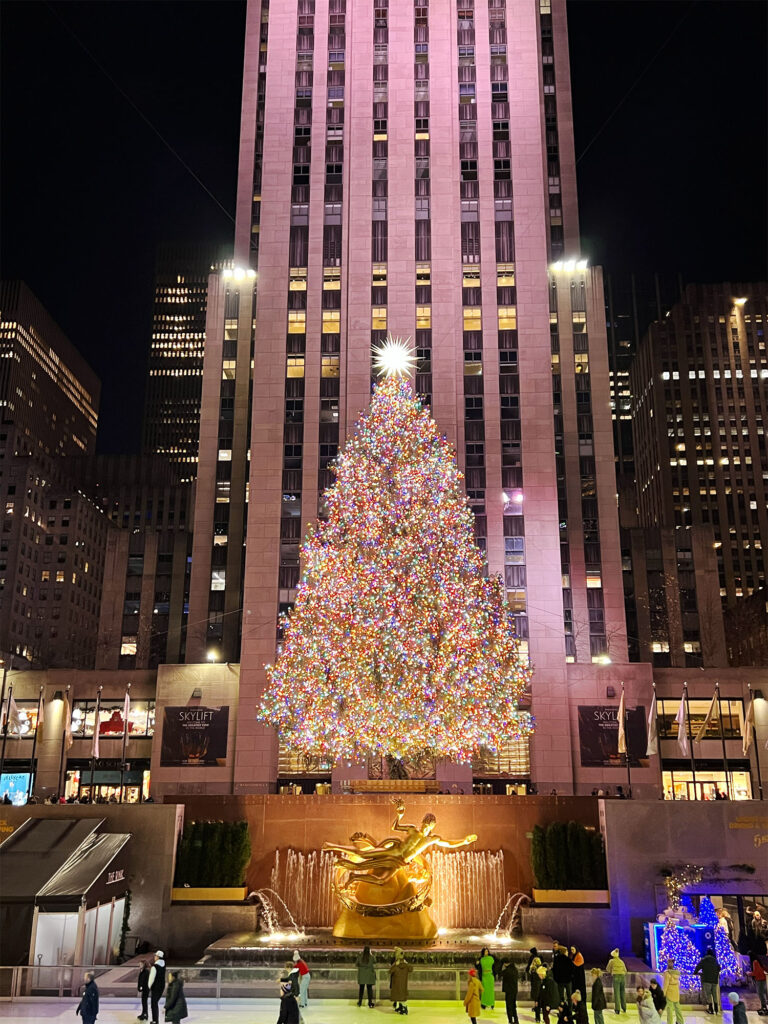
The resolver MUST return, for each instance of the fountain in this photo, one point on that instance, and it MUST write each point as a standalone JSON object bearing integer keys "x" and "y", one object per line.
{"x": 271, "y": 904}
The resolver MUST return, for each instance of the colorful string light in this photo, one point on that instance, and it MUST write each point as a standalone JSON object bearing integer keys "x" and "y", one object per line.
{"x": 397, "y": 643}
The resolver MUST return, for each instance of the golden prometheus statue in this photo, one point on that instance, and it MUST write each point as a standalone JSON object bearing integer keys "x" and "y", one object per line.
{"x": 384, "y": 887}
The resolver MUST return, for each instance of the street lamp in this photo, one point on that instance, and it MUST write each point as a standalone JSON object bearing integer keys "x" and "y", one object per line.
{"x": 213, "y": 656}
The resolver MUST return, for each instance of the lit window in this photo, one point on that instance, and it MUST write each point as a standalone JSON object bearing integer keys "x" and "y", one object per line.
{"x": 594, "y": 581}
{"x": 516, "y": 600}
{"x": 581, "y": 362}
{"x": 45, "y": 576}
{"x": 127, "y": 646}
{"x": 423, "y": 318}
{"x": 379, "y": 318}
{"x": 472, "y": 318}
{"x": 330, "y": 367}
{"x": 220, "y": 540}
{"x": 331, "y": 321}
{"x": 505, "y": 275}
{"x": 218, "y": 579}
{"x": 60, "y": 576}
{"x": 331, "y": 279}
{"x": 473, "y": 364}
{"x": 225, "y": 454}
{"x": 470, "y": 276}
{"x": 507, "y": 318}
{"x": 298, "y": 279}
{"x": 660, "y": 647}
{"x": 423, "y": 274}
{"x": 555, "y": 362}
{"x": 297, "y": 321}
{"x": 228, "y": 369}
{"x": 295, "y": 367}
{"x": 379, "y": 275}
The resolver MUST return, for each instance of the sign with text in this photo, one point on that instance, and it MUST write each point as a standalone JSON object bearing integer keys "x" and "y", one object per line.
{"x": 194, "y": 736}
{"x": 599, "y": 736}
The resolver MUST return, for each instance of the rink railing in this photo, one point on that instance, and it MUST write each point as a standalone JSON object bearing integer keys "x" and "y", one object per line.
{"x": 426, "y": 982}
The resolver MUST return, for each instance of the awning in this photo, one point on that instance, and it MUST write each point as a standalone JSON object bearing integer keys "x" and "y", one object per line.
{"x": 36, "y": 851}
{"x": 84, "y": 870}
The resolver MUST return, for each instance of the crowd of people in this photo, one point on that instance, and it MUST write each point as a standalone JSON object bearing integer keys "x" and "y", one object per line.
{"x": 558, "y": 988}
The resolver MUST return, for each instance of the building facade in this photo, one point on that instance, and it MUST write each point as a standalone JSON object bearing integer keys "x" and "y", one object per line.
{"x": 409, "y": 169}
{"x": 700, "y": 381}
{"x": 175, "y": 372}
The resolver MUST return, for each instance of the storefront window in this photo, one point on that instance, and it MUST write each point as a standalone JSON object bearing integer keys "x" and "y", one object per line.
{"x": 733, "y": 718}
{"x": 27, "y": 719}
{"x": 709, "y": 785}
{"x": 106, "y": 786}
{"x": 141, "y": 721}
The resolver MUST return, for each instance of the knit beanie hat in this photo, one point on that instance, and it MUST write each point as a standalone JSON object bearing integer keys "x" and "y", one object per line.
{"x": 615, "y": 952}
{"x": 733, "y": 998}
{"x": 296, "y": 955}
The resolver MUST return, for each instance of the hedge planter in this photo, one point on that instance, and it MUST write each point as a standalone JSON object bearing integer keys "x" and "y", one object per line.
{"x": 572, "y": 897}
{"x": 209, "y": 894}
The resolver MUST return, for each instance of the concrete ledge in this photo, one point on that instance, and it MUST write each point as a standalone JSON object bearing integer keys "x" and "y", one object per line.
{"x": 573, "y": 897}
{"x": 209, "y": 894}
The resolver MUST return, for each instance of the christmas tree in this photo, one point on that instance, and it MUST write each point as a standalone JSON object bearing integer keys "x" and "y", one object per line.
{"x": 675, "y": 944}
{"x": 397, "y": 643}
{"x": 731, "y": 967}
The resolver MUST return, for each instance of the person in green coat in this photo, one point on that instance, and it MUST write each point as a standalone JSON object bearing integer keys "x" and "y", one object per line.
{"x": 487, "y": 967}
{"x": 175, "y": 1003}
{"x": 366, "y": 975}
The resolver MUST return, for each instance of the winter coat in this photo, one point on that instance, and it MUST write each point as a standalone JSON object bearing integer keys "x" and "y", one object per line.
{"x": 142, "y": 982}
{"x": 301, "y": 967}
{"x": 564, "y": 1015}
{"x": 549, "y": 994}
{"x": 289, "y": 1010}
{"x": 398, "y": 981}
{"x": 672, "y": 984}
{"x": 740, "y": 1013}
{"x": 757, "y": 972}
{"x": 658, "y": 997}
{"x": 293, "y": 977}
{"x": 535, "y": 985}
{"x": 509, "y": 981}
{"x": 487, "y": 979}
{"x": 175, "y": 1003}
{"x": 157, "y": 977}
{"x": 616, "y": 966}
{"x": 366, "y": 970}
{"x": 646, "y": 1011}
{"x": 598, "y": 995}
{"x": 562, "y": 969}
{"x": 88, "y": 1007}
{"x": 579, "y": 1012}
{"x": 709, "y": 969}
{"x": 472, "y": 998}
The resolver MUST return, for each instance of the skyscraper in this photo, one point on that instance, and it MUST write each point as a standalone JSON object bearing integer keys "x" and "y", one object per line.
{"x": 409, "y": 168}
{"x": 175, "y": 371}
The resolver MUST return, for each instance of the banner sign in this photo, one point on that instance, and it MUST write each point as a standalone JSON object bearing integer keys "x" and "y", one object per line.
{"x": 599, "y": 736}
{"x": 194, "y": 736}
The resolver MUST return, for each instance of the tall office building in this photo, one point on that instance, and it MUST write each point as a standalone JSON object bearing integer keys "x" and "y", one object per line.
{"x": 175, "y": 371}
{"x": 700, "y": 382}
{"x": 408, "y": 167}
{"x": 49, "y": 395}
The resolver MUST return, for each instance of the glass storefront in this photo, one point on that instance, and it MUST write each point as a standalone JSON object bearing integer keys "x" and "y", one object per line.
{"x": 709, "y": 785}
{"x": 106, "y": 786}
{"x": 141, "y": 719}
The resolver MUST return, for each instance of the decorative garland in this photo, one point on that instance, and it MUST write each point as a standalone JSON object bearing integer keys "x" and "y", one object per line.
{"x": 679, "y": 878}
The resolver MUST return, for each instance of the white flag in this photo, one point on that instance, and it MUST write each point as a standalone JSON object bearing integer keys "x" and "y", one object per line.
{"x": 653, "y": 730}
{"x": 41, "y": 714}
{"x": 126, "y": 712}
{"x": 622, "y": 732}
{"x": 682, "y": 728}
{"x": 67, "y": 724}
{"x": 96, "y": 730}
{"x": 14, "y": 722}
{"x": 749, "y": 728}
{"x": 711, "y": 716}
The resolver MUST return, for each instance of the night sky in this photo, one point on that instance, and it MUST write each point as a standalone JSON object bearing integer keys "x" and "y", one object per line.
{"x": 671, "y": 129}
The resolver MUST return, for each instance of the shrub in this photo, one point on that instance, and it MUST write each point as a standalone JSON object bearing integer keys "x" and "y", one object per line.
{"x": 568, "y": 857}
{"x": 213, "y": 853}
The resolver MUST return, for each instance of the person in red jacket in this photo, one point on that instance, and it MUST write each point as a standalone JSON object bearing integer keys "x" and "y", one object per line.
{"x": 304, "y": 978}
{"x": 759, "y": 976}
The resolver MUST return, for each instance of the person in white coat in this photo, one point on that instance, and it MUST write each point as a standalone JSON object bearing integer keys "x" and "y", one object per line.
{"x": 646, "y": 1008}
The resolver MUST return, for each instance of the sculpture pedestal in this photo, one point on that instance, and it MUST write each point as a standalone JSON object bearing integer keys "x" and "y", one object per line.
{"x": 412, "y": 926}
{"x": 380, "y": 922}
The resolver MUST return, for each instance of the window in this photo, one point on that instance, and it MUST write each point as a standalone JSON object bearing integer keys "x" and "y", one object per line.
{"x": 128, "y": 646}
{"x": 331, "y": 321}
{"x": 295, "y": 366}
{"x": 472, "y": 318}
{"x": 581, "y": 362}
{"x": 423, "y": 318}
{"x": 329, "y": 410}
{"x": 330, "y": 366}
{"x": 379, "y": 318}
{"x": 473, "y": 364}
{"x": 507, "y": 318}
{"x": 297, "y": 321}
{"x": 141, "y": 717}
{"x": 733, "y": 717}
{"x": 219, "y": 578}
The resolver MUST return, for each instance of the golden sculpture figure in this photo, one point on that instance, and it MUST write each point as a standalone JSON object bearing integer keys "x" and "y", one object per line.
{"x": 387, "y": 879}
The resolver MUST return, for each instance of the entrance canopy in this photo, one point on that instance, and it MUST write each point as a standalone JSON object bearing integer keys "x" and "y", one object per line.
{"x": 85, "y": 875}
{"x": 36, "y": 851}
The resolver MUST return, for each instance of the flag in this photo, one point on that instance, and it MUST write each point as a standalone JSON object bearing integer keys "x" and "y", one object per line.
{"x": 711, "y": 716}
{"x": 653, "y": 730}
{"x": 682, "y": 724}
{"x": 622, "y": 731}
{"x": 41, "y": 714}
{"x": 67, "y": 724}
{"x": 96, "y": 730}
{"x": 749, "y": 728}
{"x": 126, "y": 712}
{"x": 13, "y": 723}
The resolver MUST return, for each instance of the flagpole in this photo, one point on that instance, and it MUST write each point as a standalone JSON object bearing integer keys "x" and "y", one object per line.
{"x": 125, "y": 738}
{"x": 5, "y": 730}
{"x": 658, "y": 743}
{"x": 95, "y": 743}
{"x": 728, "y": 787}
{"x": 626, "y": 745}
{"x": 30, "y": 787}
{"x": 690, "y": 738}
{"x": 63, "y": 745}
{"x": 755, "y": 744}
